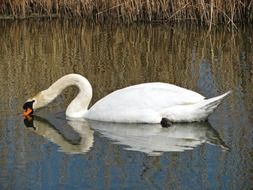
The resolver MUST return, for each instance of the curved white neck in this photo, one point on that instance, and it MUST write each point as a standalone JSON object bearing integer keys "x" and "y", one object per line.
{"x": 79, "y": 106}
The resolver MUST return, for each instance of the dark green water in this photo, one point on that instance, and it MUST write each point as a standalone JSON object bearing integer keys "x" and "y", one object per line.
{"x": 52, "y": 153}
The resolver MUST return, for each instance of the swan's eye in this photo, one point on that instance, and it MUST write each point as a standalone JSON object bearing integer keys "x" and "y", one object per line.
{"x": 28, "y": 107}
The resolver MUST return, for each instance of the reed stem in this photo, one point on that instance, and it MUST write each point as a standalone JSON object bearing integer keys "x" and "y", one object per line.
{"x": 203, "y": 12}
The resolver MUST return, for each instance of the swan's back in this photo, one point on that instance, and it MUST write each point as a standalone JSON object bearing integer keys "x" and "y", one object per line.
{"x": 141, "y": 103}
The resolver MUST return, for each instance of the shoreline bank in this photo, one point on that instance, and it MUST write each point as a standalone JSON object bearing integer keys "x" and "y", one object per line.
{"x": 205, "y": 13}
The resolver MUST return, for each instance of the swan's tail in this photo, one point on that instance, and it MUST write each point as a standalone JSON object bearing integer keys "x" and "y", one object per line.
{"x": 193, "y": 112}
{"x": 209, "y": 105}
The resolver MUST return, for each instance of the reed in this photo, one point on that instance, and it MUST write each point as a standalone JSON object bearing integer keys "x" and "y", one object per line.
{"x": 203, "y": 12}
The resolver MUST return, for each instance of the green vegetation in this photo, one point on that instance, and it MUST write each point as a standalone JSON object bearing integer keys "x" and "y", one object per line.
{"x": 203, "y": 12}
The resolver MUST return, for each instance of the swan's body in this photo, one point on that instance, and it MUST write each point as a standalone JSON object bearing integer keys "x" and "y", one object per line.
{"x": 143, "y": 103}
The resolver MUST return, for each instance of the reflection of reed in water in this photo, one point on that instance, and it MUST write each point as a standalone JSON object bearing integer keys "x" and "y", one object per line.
{"x": 119, "y": 56}
{"x": 78, "y": 138}
{"x": 34, "y": 54}
{"x": 113, "y": 58}
{"x": 148, "y": 138}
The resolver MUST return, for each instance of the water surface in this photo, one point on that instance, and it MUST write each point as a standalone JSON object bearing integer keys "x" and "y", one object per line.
{"x": 50, "y": 152}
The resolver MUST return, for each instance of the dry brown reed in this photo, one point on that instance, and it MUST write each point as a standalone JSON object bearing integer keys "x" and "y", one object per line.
{"x": 204, "y": 12}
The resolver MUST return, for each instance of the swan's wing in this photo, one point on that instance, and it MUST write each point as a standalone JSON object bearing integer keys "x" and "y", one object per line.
{"x": 141, "y": 102}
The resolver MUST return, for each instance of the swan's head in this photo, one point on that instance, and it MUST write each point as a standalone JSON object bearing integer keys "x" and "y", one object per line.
{"x": 38, "y": 101}
{"x": 28, "y": 108}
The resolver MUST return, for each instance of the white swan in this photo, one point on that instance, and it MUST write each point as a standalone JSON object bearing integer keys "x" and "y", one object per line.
{"x": 142, "y": 103}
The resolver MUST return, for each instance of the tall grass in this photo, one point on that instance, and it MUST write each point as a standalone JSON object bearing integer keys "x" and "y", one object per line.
{"x": 204, "y": 12}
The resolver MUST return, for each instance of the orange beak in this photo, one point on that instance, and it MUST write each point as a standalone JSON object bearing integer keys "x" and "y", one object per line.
{"x": 27, "y": 112}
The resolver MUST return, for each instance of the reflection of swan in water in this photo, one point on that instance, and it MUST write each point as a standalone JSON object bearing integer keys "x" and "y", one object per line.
{"x": 76, "y": 137}
{"x": 153, "y": 139}
{"x": 149, "y": 138}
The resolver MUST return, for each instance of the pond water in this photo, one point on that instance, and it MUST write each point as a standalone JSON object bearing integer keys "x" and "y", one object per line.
{"x": 50, "y": 152}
